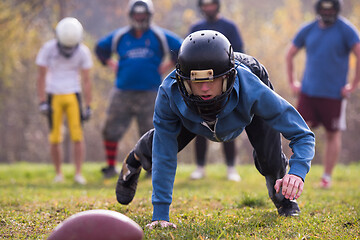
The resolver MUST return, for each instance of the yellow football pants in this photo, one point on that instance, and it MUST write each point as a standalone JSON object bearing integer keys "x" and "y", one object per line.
{"x": 70, "y": 105}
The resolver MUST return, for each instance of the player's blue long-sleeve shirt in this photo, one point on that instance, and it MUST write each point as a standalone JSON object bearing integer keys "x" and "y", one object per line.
{"x": 249, "y": 97}
{"x": 139, "y": 58}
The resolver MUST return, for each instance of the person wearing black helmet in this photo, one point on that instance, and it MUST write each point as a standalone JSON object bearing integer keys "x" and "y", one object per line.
{"x": 217, "y": 93}
{"x": 142, "y": 45}
{"x": 329, "y": 40}
{"x": 210, "y": 9}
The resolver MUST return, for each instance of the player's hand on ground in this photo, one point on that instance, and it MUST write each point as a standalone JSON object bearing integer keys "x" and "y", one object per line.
{"x": 161, "y": 224}
{"x": 290, "y": 185}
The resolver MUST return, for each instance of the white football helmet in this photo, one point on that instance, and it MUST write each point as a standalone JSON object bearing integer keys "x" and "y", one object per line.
{"x": 69, "y": 33}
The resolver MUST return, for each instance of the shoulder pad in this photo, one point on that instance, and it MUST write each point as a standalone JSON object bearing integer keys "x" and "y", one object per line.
{"x": 255, "y": 67}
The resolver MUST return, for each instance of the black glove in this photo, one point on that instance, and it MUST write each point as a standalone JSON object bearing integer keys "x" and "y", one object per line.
{"x": 87, "y": 114}
{"x": 44, "y": 108}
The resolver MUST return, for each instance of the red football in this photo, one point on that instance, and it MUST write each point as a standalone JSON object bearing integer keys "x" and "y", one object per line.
{"x": 97, "y": 225}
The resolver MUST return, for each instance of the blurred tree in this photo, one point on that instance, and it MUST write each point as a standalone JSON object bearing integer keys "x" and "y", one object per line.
{"x": 17, "y": 38}
{"x": 267, "y": 28}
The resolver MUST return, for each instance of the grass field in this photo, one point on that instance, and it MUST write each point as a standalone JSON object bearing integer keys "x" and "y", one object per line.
{"x": 213, "y": 208}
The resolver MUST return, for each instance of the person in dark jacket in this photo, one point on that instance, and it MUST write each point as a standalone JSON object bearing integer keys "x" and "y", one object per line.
{"x": 213, "y": 20}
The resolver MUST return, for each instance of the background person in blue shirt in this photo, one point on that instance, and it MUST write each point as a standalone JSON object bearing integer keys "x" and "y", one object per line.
{"x": 210, "y": 9}
{"x": 145, "y": 52}
{"x": 328, "y": 41}
{"x": 213, "y": 93}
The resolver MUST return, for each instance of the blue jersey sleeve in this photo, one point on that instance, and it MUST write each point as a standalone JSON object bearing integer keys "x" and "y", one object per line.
{"x": 103, "y": 48}
{"x": 300, "y": 37}
{"x": 284, "y": 118}
{"x": 351, "y": 34}
{"x": 164, "y": 155}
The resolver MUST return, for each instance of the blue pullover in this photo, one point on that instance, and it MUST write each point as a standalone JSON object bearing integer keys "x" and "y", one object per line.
{"x": 249, "y": 97}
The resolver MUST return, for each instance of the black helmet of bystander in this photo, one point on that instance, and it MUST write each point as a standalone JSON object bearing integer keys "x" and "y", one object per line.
{"x": 210, "y": 14}
{"x": 328, "y": 10}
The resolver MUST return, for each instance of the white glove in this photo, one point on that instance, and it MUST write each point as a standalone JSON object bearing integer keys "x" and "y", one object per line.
{"x": 87, "y": 114}
{"x": 44, "y": 108}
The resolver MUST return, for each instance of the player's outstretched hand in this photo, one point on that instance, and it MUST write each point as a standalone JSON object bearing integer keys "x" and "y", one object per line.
{"x": 291, "y": 185}
{"x": 161, "y": 224}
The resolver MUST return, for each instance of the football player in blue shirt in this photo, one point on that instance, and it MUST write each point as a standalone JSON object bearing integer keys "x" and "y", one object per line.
{"x": 145, "y": 52}
{"x": 218, "y": 94}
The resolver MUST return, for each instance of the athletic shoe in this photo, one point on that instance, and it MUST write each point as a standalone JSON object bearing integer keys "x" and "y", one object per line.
{"x": 80, "y": 179}
{"x": 109, "y": 172}
{"x": 288, "y": 208}
{"x": 127, "y": 182}
{"x": 199, "y": 173}
{"x": 325, "y": 182}
{"x": 59, "y": 178}
{"x": 232, "y": 175}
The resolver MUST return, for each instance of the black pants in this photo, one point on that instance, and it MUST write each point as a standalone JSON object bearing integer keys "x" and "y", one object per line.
{"x": 269, "y": 159}
{"x": 268, "y": 156}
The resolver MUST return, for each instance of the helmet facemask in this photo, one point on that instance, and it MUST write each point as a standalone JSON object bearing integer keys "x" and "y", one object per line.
{"x": 204, "y": 56}
{"x": 67, "y": 51}
{"x": 207, "y": 109}
{"x": 140, "y": 13}
{"x": 328, "y": 11}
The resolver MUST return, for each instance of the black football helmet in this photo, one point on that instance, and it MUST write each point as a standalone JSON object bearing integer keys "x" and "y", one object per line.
{"x": 328, "y": 10}
{"x": 203, "y": 56}
{"x": 140, "y": 6}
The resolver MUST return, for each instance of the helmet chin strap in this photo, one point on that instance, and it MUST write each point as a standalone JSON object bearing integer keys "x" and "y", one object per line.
{"x": 187, "y": 87}
{"x": 224, "y": 87}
